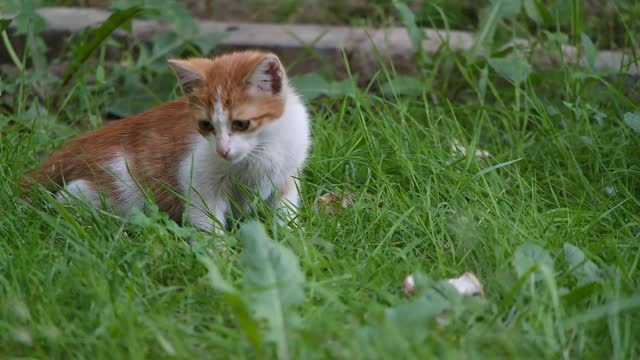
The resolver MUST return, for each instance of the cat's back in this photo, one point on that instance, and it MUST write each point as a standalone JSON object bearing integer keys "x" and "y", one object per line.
{"x": 170, "y": 120}
{"x": 162, "y": 131}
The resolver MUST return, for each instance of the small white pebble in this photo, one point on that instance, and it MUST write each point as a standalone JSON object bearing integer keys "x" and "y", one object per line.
{"x": 408, "y": 285}
{"x": 467, "y": 284}
{"x": 458, "y": 149}
{"x": 482, "y": 153}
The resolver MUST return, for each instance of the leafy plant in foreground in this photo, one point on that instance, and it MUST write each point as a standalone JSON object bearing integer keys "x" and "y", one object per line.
{"x": 273, "y": 286}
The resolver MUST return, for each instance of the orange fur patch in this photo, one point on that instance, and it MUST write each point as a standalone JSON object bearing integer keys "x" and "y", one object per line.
{"x": 230, "y": 75}
{"x": 153, "y": 142}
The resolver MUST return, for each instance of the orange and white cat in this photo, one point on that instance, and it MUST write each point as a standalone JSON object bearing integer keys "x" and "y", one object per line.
{"x": 240, "y": 126}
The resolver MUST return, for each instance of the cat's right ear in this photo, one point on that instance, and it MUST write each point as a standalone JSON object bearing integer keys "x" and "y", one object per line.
{"x": 188, "y": 73}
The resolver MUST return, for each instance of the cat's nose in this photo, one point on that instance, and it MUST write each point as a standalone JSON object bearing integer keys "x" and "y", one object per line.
{"x": 222, "y": 151}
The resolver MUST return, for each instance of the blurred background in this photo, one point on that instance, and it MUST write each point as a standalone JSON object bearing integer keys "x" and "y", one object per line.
{"x": 107, "y": 55}
{"x": 607, "y": 21}
{"x": 509, "y": 139}
{"x": 137, "y": 62}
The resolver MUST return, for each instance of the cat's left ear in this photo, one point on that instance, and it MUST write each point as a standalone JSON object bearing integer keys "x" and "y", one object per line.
{"x": 189, "y": 74}
{"x": 268, "y": 77}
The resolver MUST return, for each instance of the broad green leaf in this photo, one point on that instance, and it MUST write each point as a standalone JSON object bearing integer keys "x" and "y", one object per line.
{"x": 403, "y": 85}
{"x": 168, "y": 11}
{"x": 532, "y": 11}
{"x": 231, "y": 296}
{"x": 207, "y": 42}
{"x": 309, "y": 86}
{"x": 274, "y": 283}
{"x": 185, "y": 25}
{"x": 580, "y": 293}
{"x": 516, "y": 70}
{"x": 589, "y": 50}
{"x": 312, "y": 85}
{"x": 413, "y": 318}
{"x": 163, "y": 46}
{"x": 633, "y": 121}
{"x": 583, "y": 269}
{"x": 343, "y": 88}
{"x": 181, "y": 232}
{"x": 139, "y": 219}
{"x": 431, "y": 298}
{"x": 528, "y": 255}
{"x": 39, "y": 138}
{"x": 4, "y": 24}
{"x": 541, "y": 10}
{"x": 27, "y": 19}
{"x": 97, "y": 36}
{"x": 508, "y": 8}
{"x": 134, "y": 97}
{"x": 131, "y": 99}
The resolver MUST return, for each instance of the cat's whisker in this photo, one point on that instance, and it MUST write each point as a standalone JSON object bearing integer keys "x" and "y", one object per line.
{"x": 255, "y": 157}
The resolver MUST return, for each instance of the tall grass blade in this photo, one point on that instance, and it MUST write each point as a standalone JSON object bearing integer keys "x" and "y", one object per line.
{"x": 97, "y": 36}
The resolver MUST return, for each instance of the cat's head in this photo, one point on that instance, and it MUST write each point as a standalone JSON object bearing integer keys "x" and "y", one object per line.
{"x": 233, "y": 97}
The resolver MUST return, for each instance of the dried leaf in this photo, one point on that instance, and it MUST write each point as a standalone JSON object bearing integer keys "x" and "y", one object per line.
{"x": 633, "y": 121}
{"x": 334, "y": 202}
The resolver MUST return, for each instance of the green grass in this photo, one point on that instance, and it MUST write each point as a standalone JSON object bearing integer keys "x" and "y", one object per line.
{"x": 564, "y": 169}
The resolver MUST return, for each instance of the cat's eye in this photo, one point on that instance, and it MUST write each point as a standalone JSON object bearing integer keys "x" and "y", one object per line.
{"x": 205, "y": 125}
{"x": 240, "y": 125}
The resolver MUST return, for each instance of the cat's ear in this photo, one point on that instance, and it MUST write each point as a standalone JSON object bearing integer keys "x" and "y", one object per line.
{"x": 267, "y": 77}
{"x": 189, "y": 73}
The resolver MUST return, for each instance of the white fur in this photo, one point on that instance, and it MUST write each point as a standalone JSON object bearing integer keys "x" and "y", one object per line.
{"x": 261, "y": 80}
{"x": 128, "y": 194}
{"x": 79, "y": 190}
{"x": 262, "y": 160}
{"x": 220, "y": 123}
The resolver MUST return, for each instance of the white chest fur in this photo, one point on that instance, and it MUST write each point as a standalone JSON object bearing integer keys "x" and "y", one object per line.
{"x": 209, "y": 182}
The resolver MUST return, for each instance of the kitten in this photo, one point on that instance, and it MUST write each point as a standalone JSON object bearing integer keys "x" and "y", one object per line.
{"x": 240, "y": 126}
